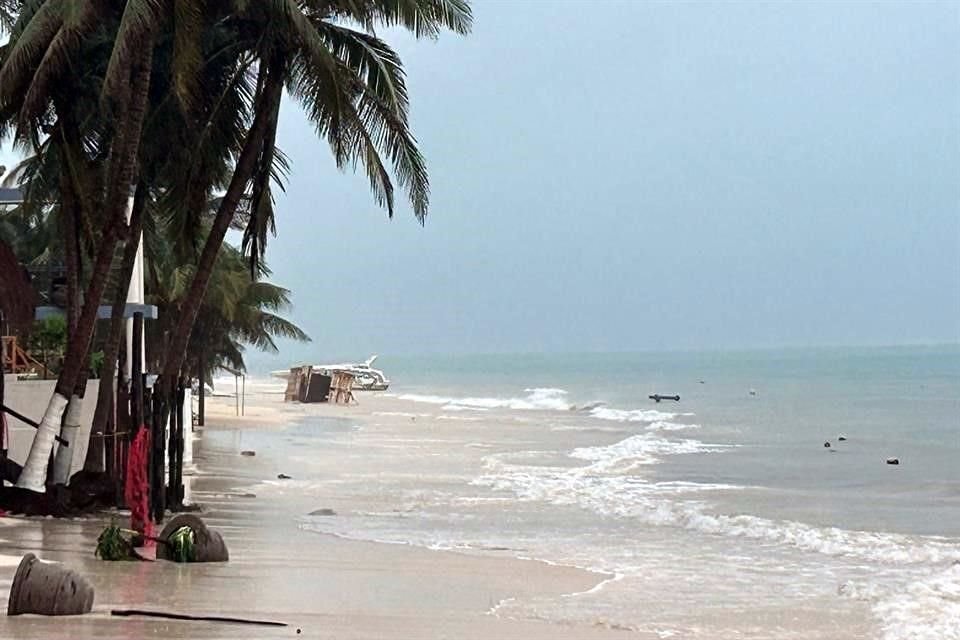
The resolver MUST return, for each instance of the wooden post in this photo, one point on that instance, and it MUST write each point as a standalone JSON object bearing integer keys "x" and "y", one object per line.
{"x": 181, "y": 426}
{"x": 136, "y": 375}
{"x": 122, "y": 427}
{"x": 158, "y": 494}
{"x": 202, "y": 388}
{"x": 4, "y": 445}
{"x": 175, "y": 455}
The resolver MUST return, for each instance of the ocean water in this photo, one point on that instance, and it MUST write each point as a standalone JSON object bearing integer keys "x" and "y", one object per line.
{"x": 722, "y": 515}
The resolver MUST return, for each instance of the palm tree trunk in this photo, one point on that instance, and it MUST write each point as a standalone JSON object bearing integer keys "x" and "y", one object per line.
{"x": 69, "y": 219}
{"x": 128, "y": 139}
{"x": 63, "y": 460}
{"x": 201, "y": 404}
{"x": 71, "y": 257}
{"x": 111, "y": 349}
{"x": 265, "y": 118}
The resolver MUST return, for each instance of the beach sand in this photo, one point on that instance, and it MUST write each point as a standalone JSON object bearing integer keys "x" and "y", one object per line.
{"x": 326, "y": 586}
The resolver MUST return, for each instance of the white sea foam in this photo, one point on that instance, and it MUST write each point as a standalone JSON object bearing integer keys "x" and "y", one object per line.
{"x": 459, "y": 407}
{"x": 590, "y": 428}
{"x": 927, "y": 609}
{"x": 634, "y": 415}
{"x": 536, "y": 399}
{"x": 608, "y": 486}
{"x": 641, "y": 448}
{"x": 663, "y": 425}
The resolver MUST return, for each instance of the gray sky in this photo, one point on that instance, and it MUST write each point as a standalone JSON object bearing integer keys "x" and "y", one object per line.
{"x": 631, "y": 176}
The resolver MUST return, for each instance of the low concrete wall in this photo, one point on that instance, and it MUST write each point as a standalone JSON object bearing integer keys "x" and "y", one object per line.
{"x": 30, "y": 397}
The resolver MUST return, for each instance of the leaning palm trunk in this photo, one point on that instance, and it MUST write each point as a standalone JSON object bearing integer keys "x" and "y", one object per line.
{"x": 69, "y": 214}
{"x": 111, "y": 350}
{"x": 128, "y": 143}
{"x": 63, "y": 461}
{"x": 266, "y": 117}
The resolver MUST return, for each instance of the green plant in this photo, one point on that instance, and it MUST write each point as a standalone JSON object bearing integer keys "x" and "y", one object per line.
{"x": 48, "y": 340}
{"x": 96, "y": 363}
{"x": 182, "y": 543}
{"x": 111, "y": 545}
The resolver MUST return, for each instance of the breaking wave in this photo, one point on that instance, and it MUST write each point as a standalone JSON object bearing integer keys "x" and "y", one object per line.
{"x": 545, "y": 399}
{"x": 634, "y": 415}
{"x": 610, "y": 486}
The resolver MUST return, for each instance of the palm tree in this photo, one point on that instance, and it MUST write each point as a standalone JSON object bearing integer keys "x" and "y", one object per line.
{"x": 203, "y": 137}
{"x": 44, "y": 40}
{"x": 237, "y": 311}
{"x": 161, "y": 58}
{"x": 352, "y": 86}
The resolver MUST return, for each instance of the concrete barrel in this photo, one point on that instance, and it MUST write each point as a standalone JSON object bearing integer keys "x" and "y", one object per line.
{"x": 208, "y": 544}
{"x": 49, "y": 589}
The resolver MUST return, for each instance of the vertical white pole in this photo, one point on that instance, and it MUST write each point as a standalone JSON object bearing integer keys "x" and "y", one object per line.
{"x": 134, "y": 295}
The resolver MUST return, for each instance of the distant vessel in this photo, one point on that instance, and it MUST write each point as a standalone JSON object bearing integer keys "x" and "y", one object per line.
{"x": 366, "y": 378}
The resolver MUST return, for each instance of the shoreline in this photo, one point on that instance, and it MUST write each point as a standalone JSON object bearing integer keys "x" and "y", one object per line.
{"x": 326, "y": 585}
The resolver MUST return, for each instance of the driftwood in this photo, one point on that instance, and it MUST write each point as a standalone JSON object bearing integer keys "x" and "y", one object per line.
{"x": 183, "y": 616}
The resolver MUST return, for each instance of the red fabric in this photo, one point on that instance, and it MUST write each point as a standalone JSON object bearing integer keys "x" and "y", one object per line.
{"x": 137, "y": 491}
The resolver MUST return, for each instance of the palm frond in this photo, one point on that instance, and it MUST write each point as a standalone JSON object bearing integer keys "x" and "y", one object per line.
{"x": 376, "y": 65}
{"x": 187, "y": 50}
{"x": 56, "y": 61}
{"x": 31, "y": 36}
{"x": 140, "y": 18}
{"x": 424, "y": 18}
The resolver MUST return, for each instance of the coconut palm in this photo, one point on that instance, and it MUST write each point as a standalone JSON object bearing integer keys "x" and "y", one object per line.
{"x": 46, "y": 37}
{"x": 161, "y": 57}
{"x": 351, "y": 85}
{"x": 237, "y": 312}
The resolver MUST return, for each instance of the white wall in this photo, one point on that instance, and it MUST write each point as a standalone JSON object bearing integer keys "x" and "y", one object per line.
{"x": 30, "y": 397}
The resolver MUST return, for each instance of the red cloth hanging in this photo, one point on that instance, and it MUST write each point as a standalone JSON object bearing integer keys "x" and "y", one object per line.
{"x": 137, "y": 491}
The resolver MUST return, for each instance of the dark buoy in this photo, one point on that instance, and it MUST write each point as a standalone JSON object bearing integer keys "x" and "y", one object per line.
{"x": 48, "y": 589}
{"x": 208, "y": 545}
{"x": 826, "y": 444}
{"x": 893, "y": 460}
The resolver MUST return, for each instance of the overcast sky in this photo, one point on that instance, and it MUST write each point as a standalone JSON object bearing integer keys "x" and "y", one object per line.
{"x": 635, "y": 175}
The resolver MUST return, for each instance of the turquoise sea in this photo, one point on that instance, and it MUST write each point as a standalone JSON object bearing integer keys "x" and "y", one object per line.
{"x": 901, "y": 402}
{"x": 723, "y": 515}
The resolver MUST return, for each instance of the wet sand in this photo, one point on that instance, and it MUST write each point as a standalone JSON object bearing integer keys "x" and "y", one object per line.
{"x": 326, "y": 586}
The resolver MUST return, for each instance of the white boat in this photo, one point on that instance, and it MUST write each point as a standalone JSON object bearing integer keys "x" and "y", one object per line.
{"x": 366, "y": 378}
